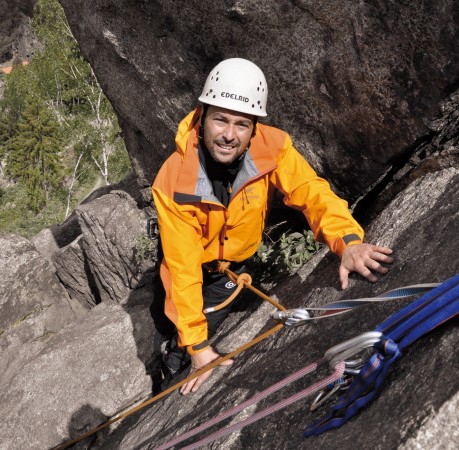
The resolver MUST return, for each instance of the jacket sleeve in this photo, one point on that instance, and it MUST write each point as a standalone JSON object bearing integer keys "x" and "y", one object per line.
{"x": 181, "y": 240}
{"x": 327, "y": 214}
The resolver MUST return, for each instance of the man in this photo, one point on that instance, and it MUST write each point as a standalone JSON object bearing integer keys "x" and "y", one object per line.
{"x": 212, "y": 198}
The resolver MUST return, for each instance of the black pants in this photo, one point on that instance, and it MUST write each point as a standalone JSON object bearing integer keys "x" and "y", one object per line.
{"x": 216, "y": 289}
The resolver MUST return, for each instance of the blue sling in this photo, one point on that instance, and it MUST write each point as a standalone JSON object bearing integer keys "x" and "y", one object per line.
{"x": 398, "y": 331}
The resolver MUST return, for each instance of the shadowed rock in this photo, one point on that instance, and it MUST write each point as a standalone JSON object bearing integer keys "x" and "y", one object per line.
{"x": 354, "y": 83}
{"x": 88, "y": 372}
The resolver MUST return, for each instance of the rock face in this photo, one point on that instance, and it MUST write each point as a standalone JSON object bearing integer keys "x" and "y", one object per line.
{"x": 16, "y": 40}
{"x": 33, "y": 303}
{"x": 110, "y": 225}
{"x": 44, "y": 373}
{"x": 421, "y": 224}
{"x": 90, "y": 371}
{"x": 354, "y": 83}
{"x": 102, "y": 264}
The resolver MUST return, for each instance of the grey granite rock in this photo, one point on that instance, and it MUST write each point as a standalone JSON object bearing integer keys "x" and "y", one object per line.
{"x": 93, "y": 369}
{"x": 112, "y": 226}
{"x": 33, "y": 304}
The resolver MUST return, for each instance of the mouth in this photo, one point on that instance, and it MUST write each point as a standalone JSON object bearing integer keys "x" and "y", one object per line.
{"x": 226, "y": 148}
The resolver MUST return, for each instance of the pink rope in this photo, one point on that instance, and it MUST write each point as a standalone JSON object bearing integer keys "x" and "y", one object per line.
{"x": 339, "y": 369}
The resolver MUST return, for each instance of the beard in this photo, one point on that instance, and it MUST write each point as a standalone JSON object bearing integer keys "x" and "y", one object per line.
{"x": 223, "y": 153}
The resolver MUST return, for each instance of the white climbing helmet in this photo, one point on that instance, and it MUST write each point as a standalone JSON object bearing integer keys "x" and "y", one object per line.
{"x": 237, "y": 84}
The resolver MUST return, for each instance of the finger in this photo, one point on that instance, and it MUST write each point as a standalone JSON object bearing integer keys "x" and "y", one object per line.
{"x": 343, "y": 277}
{"x": 200, "y": 380}
{"x": 228, "y": 362}
{"x": 385, "y": 250}
{"x": 366, "y": 273}
{"x": 374, "y": 265}
{"x": 383, "y": 258}
{"x": 186, "y": 388}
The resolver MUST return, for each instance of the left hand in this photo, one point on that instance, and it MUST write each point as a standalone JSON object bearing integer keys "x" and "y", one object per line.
{"x": 198, "y": 361}
{"x": 363, "y": 258}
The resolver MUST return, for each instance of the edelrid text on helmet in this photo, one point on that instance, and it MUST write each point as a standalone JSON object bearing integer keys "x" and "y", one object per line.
{"x": 237, "y": 84}
{"x": 235, "y": 97}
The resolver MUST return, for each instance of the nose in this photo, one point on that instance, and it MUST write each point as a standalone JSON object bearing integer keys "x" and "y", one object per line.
{"x": 229, "y": 132}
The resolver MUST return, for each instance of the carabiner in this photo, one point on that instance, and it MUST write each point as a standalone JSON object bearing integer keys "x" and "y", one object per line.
{"x": 341, "y": 384}
{"x": 351, "y": 347}
{"x": 293, "y": 317}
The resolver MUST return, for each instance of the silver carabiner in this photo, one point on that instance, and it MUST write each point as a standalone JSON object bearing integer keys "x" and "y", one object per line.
{"x": 341, "y": 384}
{"x": 351, "y": 347}
{"x": 293, "y": 317}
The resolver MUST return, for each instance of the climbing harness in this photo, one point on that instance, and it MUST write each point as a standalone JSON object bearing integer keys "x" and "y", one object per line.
{"x": 396, "y": 333}
{"x": 242, "y": 281}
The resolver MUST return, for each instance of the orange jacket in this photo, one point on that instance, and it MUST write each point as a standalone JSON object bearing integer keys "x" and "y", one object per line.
{"x": 196, "y": 228}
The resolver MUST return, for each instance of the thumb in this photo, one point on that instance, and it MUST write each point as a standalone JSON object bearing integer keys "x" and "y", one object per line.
{"x": 343, "y": 277}
{"x": 228, "y": 362}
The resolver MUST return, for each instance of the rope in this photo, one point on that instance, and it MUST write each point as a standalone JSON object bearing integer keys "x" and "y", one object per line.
{"x": 194, "y": 375}
{"x": 243, "y": 280}
{"x": 300, "y": 316}
{"x": 234, "y": 277}
{"x": 255, "y": 399}
{"x": 336, "y": 375}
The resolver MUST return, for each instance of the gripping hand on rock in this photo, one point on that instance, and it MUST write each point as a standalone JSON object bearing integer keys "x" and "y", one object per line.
{"x": 198, "y": 361}
{"x": 363, "y": 259}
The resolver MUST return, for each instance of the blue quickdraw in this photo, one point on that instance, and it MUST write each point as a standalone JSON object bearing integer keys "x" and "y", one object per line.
{"x": 398, "y": 331}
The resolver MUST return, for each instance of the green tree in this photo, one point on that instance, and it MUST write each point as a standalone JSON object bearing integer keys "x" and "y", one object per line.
{"x": 69, "y": 101}
{"x": 34, "y": 156}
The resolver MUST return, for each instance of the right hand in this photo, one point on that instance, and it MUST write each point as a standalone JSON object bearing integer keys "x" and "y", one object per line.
{"x": 198, "y": 361}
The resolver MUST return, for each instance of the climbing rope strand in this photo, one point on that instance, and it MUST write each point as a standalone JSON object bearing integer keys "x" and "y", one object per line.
{"x": 233, "y": 277}
{"x": 339, "y": 370}
{"x": 176, "y": 386}
{"x": 242, "y": 281}
{"x": 255, "y": 399}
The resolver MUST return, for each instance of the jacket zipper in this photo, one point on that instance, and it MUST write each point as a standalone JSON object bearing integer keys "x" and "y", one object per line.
{"x": 222, "y": 237}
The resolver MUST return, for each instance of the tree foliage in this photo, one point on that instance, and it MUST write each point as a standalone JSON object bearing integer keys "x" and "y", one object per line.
{"x": 58, "y": 131}
{"x": 34, "y": 159}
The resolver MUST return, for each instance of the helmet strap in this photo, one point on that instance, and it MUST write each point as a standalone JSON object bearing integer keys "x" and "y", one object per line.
{"x": 205, "y": 107}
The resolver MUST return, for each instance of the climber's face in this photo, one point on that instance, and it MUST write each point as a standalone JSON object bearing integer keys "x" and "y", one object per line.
{"x": 227, "y": 133}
